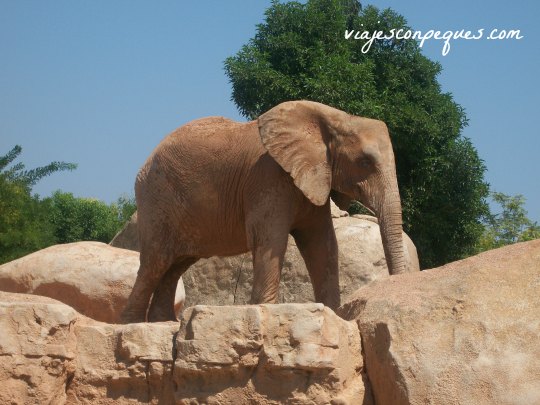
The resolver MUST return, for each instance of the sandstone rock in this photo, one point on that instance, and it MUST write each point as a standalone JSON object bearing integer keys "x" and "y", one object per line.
{"x": 119, "y": 364}
{"x": 336, "y": 212}
{"x": 228, "y": 280}
{"x": 268, "y": 354}
{"x": 128, "y": 236}
{"x": 92, "y": 277}
{"x": 464, "y": 333}
{"x": 37, "y": 349}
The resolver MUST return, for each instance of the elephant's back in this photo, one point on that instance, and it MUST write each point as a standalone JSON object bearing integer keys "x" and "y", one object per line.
{"x": 199, "y": 148}
{"x": 195, "y": 179}
{"x": 206, "y": 126}
{"x": 207, "y": 131}
{"x": 211, "y": 138}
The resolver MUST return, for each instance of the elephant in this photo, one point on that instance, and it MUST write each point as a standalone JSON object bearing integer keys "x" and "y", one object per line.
{"x": 216, "y": 187}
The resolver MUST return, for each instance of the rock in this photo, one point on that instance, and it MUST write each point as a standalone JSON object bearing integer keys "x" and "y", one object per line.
{"x": 336, "y": 212}
{"x": 267, "y": 354}
{"x": 118, "y": 364}
{"x": 37, "y": 349}
{"x": 53, "y": 355}
{"x": 179, "y": 298}
{"x": 465, "y": 333}
{"x": 128, "y": 236}
{"x": 92, "y": 277}
{"x": 272, "y": 354}
{"x": 228, "y": 280}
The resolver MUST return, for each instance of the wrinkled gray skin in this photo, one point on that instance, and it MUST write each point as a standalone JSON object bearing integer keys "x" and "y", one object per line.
{"x": 219, "y": 187}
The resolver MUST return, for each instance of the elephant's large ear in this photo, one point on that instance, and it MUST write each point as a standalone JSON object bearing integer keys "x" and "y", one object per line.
{"x": 294, "y": 135}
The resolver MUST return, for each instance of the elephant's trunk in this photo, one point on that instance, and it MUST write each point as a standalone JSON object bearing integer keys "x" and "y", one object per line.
{"x": 390, "y": 223}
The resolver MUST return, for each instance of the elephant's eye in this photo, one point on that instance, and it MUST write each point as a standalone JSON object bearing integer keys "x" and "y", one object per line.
{"x": 365, "y": 162}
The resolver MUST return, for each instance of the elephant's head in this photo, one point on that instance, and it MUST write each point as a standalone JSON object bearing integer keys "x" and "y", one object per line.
{"x": 329, "y": 152}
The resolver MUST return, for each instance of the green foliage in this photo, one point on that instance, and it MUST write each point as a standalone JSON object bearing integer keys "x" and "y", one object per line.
{"x": 126, "y": 207}
{"x": 24, "y": 225}
{"x": 28, "y": 223}
{"x": 509, "y": 226}
{"x": 76, "y": 219}
{"x": 358, "y": 208}
{"x": 300, "y": 52}
{"x": 28, "y": 178}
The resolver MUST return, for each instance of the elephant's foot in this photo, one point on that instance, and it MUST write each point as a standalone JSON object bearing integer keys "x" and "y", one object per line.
{"x": 263, "y": 297}
{"x": 332, "y": 302}
{"x": 132, "y": 317}
{"x": 160, "y": 314}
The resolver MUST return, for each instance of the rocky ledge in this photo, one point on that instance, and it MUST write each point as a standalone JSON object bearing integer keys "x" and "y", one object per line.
{"x": 465, "y": 333}
{"x": 265, "y": 354}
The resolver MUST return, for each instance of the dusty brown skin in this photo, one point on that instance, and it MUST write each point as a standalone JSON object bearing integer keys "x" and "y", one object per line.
{"x": 219, "y": 187}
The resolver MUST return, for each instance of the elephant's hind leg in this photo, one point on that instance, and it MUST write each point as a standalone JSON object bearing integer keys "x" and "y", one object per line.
{"x": 162, "y": 306}
{"x": 153, "y": 266}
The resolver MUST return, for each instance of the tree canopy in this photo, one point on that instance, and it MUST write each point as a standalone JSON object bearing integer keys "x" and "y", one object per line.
{"x": 24, "y": 225}
{"x": 29, "y": 223}
{"x": 76, "y": 219}
{"x": 510, "y": 225}
{"x": 300, "y": 52}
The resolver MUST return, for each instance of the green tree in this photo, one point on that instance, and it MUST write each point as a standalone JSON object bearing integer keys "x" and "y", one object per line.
{"x": 300, "y": 52}
{"x": 24, "y": 226}
{"x": 510, "y": 225}
{"x": 76, "y": 219}
{"x": 28, "y": 178}
{"x": 126, "y": 207}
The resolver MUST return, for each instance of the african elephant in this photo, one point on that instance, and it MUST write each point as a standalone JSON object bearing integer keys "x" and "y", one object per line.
{"x": 219, "y": 187}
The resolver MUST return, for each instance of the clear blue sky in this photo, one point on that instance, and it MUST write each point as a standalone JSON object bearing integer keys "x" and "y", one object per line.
{"x": 101, "y": 83}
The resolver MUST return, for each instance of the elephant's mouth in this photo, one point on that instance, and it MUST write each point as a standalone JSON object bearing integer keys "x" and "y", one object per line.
{"x": 365, "y": 198}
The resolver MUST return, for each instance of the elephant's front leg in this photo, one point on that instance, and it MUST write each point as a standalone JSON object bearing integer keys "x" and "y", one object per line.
{"x": 268, "y": 249}
{"x": 317, "y": 244}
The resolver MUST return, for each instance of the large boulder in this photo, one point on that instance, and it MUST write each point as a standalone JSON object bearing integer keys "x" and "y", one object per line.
{"x": 464, "y": 333}
{"x": 92, "y": 277}
{"x": 267, "y": 354}
{"x": 128, "y": 236}
{"x": 37, "y": 349}
{"x": 272, "y": 354}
